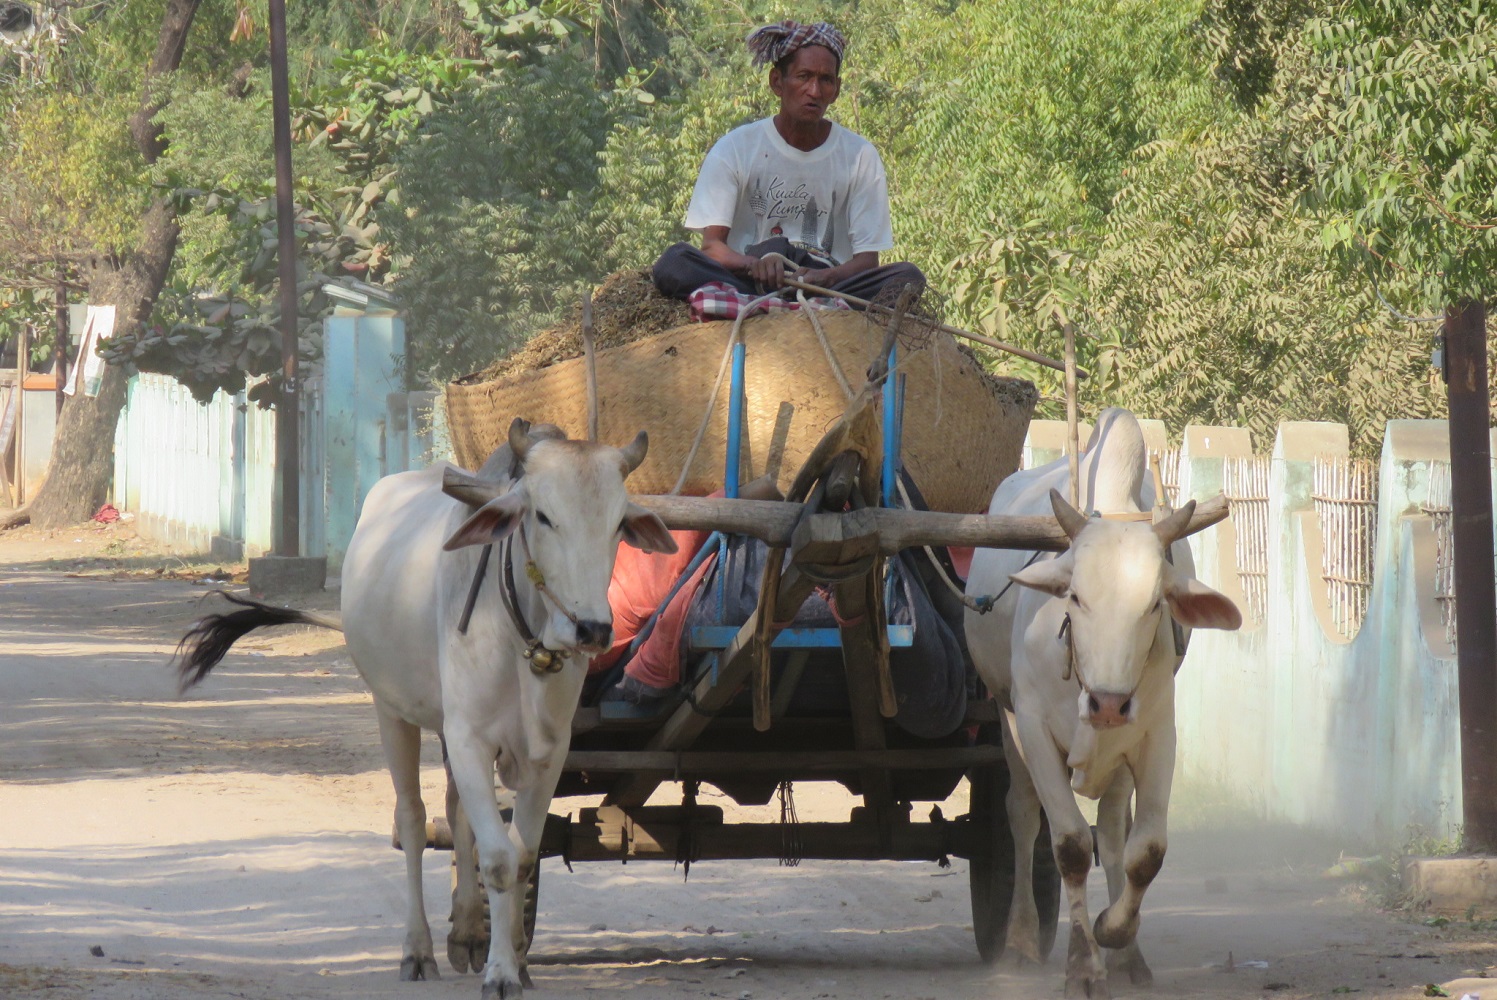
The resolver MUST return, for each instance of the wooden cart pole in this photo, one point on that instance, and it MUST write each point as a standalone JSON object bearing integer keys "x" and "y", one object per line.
{"x": 589, "y": 351}
{"x": 955, "y": 331}
{"x": 1475, "y": 593}
{"x": 1073, "y": 429}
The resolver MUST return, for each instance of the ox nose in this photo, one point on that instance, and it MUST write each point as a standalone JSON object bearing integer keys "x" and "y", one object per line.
{"x": 594, "y": 636}
{"x": 1108, "y": 711}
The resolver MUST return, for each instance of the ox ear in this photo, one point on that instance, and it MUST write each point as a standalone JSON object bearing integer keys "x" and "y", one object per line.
{"x": 646, "y": 532}
{"x": 1053, "y": 576}
{"x": 492, "y": 522}
{"x": 1198, "y": 606}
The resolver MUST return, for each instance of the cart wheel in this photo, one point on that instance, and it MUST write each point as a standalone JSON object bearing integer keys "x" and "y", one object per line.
{"x": 991, "y": 869}
{"x": 1046, "y": 888}
{"x": 532, "y": 900}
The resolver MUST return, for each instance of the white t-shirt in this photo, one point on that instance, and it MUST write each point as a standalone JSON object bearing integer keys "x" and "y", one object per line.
{"x": 832, "y": 200}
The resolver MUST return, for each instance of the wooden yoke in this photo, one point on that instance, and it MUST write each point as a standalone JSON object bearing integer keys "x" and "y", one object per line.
{"x": 774, "y": 523}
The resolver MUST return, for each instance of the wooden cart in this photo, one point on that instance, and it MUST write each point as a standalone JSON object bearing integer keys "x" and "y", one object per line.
{"x": 837, "y": 527}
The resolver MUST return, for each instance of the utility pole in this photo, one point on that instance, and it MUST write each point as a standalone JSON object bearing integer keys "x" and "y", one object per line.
{"x": 23, "y": 366}
{"x": 60, "y": 340}
{"x": 286, "y": 519}
{"x": 285, "y": 570}
{"x": 1475, "y": 588}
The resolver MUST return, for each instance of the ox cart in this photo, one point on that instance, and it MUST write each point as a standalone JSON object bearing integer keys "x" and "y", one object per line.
{"x": 740, "y": 718}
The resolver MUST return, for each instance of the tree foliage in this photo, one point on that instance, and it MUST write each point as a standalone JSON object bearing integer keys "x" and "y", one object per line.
{"x": 1205, "y": 188}
{"x": 497, "y": 197}
{"x": 1408, "y": 166}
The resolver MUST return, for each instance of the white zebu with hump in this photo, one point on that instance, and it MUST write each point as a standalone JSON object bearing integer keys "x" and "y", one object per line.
{"x": 1082, "y": 656}
{"x": 406, "y": 579}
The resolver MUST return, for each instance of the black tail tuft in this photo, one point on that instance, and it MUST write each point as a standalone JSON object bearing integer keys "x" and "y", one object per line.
{"x": 211, "y": 637}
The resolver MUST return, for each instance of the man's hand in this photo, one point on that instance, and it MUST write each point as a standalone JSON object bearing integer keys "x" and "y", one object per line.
{"x": 715, "y": 245}
{"x": 824, "y": 277}
{"x": 768, "y": 272}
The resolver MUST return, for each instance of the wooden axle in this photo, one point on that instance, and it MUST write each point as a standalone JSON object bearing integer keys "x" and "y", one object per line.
{"x": 610, "y": 833}
{"x": 792, "y": 765}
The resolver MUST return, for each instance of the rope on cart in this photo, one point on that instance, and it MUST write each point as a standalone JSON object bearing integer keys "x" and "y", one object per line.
{"x": 790, "y": 844}
{"x": 687, "y": 850}
{"x": 722, "y": 370}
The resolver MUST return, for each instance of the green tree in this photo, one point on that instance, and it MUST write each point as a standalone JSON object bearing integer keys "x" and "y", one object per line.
{"x": 1408, "y": 167}
{"x": 493, "y": 239}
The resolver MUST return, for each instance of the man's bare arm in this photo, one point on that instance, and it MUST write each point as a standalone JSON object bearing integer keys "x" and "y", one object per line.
{"x": 826, "y": 277}
{"x": 769, "y": 272}
{"x": 715, "y": 245}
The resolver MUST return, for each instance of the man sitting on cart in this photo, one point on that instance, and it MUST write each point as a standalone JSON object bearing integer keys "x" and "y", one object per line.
{"x": 794, "y": 187}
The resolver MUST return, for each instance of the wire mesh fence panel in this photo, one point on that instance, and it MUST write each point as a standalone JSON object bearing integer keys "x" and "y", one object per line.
{"x": 1437, "y": 506}
{"x": 1245, "y": 483}
{"x": 1345, "y": 495}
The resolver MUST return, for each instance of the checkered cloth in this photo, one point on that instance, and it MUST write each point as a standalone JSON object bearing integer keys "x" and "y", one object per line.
{"x": 720, "y": 300}
{"x": 774, "y": 42}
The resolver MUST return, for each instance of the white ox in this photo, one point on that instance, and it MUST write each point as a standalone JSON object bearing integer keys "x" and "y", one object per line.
{"x": 1082, "y": 655}
{"x": 406, "y": 579}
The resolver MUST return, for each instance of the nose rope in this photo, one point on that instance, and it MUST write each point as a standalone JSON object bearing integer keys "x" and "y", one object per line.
{"x": 538, "y": 580}
{"x": 1073, "y": 666}
{"x": 543, "y": 660}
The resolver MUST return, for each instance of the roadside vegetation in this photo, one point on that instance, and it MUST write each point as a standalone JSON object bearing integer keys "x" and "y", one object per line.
{"x": 1235, "y": 202}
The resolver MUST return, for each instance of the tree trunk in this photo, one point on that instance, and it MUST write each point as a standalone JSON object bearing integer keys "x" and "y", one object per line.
{"x": 82, "y": 467}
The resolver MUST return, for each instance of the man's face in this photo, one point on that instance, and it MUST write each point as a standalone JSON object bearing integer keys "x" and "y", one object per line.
{"x": 808, "y": 86}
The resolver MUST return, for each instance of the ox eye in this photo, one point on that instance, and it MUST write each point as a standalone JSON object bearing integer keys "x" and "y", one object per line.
{"x": 546, "y": 521}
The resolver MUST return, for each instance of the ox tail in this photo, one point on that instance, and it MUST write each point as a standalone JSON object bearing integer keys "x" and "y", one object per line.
{"x": 211, "y": 637}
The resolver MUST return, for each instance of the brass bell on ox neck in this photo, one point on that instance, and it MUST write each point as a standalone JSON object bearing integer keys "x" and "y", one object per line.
{"x": 543, "y": 660}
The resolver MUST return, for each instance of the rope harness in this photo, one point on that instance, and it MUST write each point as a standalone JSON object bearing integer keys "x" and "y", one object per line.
{"x": 542, "y": 659}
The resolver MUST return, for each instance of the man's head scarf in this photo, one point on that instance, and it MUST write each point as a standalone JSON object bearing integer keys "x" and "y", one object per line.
{"x": 774, "y": 42}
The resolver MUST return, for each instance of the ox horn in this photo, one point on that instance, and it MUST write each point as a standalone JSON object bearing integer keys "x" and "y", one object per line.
{"x": 1071, "y": 520}
{"x": 519, "y": 438}
{"x": 1175, "y": 527}
{"x": 634, "y": 452}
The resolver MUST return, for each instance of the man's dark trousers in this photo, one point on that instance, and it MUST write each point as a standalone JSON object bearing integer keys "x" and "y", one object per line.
{"x": 683, "y": 269}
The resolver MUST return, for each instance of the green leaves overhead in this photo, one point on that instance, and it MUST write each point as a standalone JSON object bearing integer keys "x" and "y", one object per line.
{"x": 496, "y": 236}
{"x": 1202, "y": 187}
{"x": 1408, "y": 168}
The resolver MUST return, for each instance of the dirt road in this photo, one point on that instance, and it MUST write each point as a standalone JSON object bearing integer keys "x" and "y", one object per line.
{"x": 235, "y": 844}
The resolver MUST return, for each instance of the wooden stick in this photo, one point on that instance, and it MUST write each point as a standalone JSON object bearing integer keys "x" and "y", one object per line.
{"x": 878, "y": 370}
{"x": 955, "y": 331}
{"x": 1161, "y": 498}
{"x": 774, "y": 521}
{"x": 1073, "y": 427}
{"x": 897, "y": 529}
{"x": 589, "y": 351}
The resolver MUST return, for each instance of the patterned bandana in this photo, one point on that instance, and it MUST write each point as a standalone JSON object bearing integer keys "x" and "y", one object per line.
{"x": 774, "y": 42}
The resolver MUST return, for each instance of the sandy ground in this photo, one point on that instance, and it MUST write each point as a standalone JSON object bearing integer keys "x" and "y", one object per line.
{"x": 235, "y": 843}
